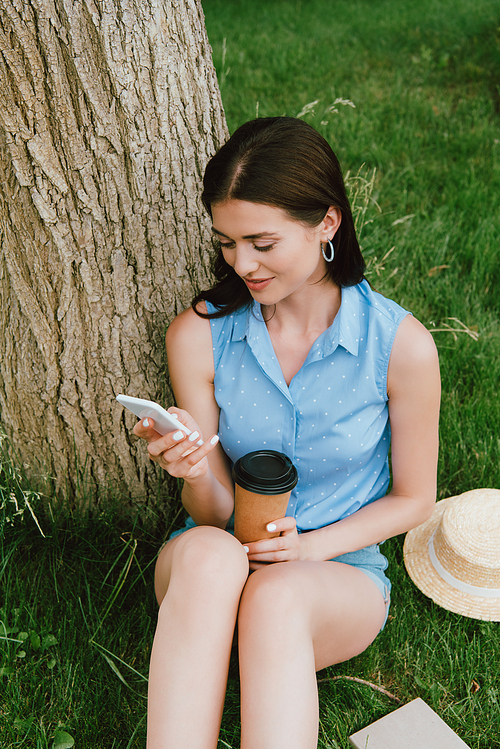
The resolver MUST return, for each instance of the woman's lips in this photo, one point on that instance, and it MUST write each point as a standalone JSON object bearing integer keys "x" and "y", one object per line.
{"x": 257, "y": 284}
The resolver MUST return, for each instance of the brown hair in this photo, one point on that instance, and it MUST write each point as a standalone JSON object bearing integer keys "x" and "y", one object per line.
{"x": 285, "y": 163}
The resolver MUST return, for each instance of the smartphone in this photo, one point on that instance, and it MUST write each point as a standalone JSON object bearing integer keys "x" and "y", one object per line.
{"x": 163, "y": 421}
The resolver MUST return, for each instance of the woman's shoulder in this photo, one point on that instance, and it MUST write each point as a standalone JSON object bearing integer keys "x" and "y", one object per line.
{"x": 189, "y": 330}
{"x": 413, "y": 344}
{"x": 414, "y": 356}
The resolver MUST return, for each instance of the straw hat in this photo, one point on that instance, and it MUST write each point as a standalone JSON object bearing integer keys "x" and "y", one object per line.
{"x": 454, "y": 557}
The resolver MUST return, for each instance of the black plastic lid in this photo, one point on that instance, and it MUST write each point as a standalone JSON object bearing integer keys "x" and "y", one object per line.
{"x": 265, "y": 472}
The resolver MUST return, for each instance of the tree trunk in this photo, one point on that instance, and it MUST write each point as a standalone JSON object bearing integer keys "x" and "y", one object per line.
{"x": 109, "y": 111}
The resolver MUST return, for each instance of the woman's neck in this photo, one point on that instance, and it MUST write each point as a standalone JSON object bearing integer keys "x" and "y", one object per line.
{"x": 308, "y": 312}
{"x": 295, "y": 324}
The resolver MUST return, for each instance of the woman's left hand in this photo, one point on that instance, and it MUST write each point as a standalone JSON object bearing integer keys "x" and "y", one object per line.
{"x": 286, "y": 547}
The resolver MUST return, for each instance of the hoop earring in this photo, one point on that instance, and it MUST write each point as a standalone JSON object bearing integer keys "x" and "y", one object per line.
{"x": 332, "y": 251}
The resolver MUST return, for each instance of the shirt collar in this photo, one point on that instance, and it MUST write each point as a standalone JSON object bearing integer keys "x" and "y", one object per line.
{"x": 344, "y": 331}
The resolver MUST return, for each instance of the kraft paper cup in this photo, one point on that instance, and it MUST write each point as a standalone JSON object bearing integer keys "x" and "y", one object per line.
{"x": 263, "y": 481}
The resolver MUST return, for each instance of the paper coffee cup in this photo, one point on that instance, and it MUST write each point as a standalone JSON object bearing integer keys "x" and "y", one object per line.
{"x": 263, "y": 481}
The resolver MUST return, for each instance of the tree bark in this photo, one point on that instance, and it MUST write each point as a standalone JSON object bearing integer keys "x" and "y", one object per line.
{"x": 109, "y": 111}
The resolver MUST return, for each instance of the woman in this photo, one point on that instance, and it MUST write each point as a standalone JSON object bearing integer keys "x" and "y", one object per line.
{"x": 293, "y": 351}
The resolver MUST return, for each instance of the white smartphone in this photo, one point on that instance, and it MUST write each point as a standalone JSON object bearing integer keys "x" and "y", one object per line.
{"x": 163, "y": 421}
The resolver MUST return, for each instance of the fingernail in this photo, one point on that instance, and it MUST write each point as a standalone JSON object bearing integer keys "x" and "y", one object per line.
{"x": 193, "y": 436}
{"x": 178, "y": 436}
{"x": 214, "y": 440}
{"x": 145, "y": 423}
{"x": 271, "y": 527}
{"x": 246, "y": 549}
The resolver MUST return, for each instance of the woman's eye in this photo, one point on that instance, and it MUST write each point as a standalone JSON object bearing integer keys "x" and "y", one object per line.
{"x": 222, "y": 245}
{"x": 219, "y": 245}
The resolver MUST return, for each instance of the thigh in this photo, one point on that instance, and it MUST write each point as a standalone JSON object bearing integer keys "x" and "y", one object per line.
{"x": 347, "y": 614}
{"x": 339, "y": 608}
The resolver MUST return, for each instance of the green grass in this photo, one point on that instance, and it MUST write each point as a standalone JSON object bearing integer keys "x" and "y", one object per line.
{"x": 83, "y": 597}
{"x": 65, "y": 593}
{"x": 424, "y": 81}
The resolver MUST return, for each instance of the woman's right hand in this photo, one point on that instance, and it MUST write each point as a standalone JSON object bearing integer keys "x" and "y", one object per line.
{"x": 177, "y": 452}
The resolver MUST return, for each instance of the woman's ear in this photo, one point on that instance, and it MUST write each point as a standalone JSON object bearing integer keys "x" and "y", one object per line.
{"x": 331, "y": 223}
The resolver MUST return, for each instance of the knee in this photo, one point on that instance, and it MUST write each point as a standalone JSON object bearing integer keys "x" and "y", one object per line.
{"x": 212, "y": 557}
{"x": 271, "y": 601}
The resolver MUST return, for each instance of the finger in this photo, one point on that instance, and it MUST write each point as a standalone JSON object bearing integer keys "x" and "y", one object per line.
{"x": 266, "y": 546}
{"x": 145, "y": 430}
{"x": 197, "y": 453}
{"x": 185, "y": 455}
{"x": 184, "y": 417}
{"x": 282, "y": 525}
{"x": 177, "y": 439}
{"x": 269, "y": 557}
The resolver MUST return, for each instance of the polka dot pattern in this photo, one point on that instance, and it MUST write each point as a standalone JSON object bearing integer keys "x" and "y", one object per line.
{"x": 332, "y": 421}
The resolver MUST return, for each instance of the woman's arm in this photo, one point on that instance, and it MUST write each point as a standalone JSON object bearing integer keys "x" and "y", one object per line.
{"x": 207, "y": 493}
{"x": 414, "y": 390}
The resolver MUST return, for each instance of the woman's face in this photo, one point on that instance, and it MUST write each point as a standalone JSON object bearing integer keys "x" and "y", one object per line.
{"x": 275, "y": 255}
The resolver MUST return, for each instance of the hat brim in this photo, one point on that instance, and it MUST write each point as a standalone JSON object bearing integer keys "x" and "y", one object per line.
{"x": 421, "y": 570}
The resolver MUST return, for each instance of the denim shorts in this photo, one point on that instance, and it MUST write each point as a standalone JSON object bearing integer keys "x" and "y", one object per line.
{"x": 372, "y": 562}
{"x": 369, "y": 560}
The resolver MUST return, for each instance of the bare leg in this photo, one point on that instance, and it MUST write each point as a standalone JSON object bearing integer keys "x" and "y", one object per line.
{"x": 199, "y": 579}
{"x": 296, "y": 618}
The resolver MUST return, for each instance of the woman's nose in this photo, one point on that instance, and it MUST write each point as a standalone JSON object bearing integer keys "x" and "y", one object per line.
{"x": 245, "y": 261}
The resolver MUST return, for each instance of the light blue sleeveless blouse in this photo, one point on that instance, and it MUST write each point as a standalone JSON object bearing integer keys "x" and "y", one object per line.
{"x": 332, "y": 420}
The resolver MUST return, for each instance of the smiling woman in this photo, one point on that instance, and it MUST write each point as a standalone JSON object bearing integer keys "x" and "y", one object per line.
{"x": 270, "y": 251}
{"x": 290, "y": 351}
{"x": 279, "y": 162}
